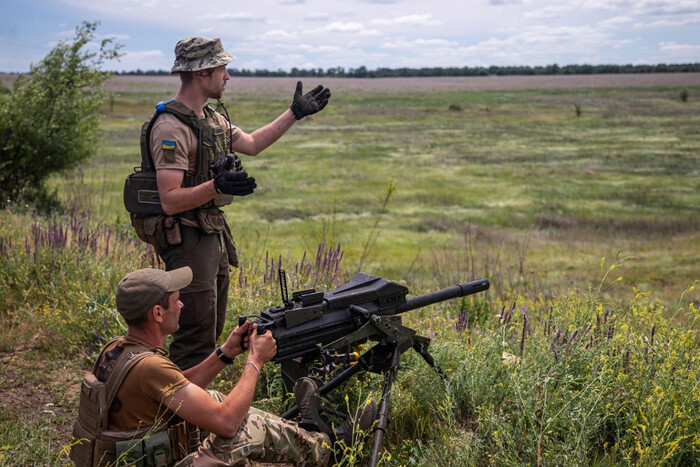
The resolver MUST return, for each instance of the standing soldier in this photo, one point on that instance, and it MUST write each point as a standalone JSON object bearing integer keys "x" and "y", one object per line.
{"x": 191, "y": 147}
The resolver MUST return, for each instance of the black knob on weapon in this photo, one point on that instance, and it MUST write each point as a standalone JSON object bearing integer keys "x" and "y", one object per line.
{"x": 241, "y": 321}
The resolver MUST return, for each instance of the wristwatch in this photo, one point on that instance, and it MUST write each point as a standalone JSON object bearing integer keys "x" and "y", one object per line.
{"x": 223, "y": 357}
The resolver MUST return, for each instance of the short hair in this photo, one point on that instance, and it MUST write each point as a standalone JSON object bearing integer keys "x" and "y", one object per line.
{"x": 163, "y": 301}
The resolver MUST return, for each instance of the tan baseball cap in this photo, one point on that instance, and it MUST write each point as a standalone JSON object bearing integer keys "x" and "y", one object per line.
{"x": 138, "y": 291}
{"x": 199, "y": 53}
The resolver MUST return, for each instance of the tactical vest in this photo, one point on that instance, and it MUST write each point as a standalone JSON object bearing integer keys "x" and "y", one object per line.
{"x": 96, "y": 446}
{"x": 141, "y": 192}
{"x": 141, "y": 196}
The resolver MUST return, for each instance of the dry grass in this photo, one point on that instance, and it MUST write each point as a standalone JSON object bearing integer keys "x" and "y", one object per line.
{"x": 254, "y": 85}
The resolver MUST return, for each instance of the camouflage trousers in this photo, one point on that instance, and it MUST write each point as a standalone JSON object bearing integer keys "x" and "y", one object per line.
{"x": 262, "y": 437}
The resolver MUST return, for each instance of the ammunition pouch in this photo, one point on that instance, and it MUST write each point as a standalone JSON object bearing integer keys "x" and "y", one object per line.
{"x": 211, "y": 221}
{"x": 154, "y": 231}
{"x": 160, "y": 231}
{"x": 139, "y": 448}
{"x": 153, "y": 450}
{"x": 171, "y": 225}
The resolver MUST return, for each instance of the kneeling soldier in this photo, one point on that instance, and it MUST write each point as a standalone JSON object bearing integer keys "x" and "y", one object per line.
{"x": 154, "y": 411}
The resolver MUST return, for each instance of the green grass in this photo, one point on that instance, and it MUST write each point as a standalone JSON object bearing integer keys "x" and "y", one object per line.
{"x": 430, "y": 189}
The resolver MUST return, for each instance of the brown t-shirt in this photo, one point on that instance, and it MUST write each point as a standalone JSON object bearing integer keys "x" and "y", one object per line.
{"x": 174, "y": 144}
{"x": 148, "y": 383}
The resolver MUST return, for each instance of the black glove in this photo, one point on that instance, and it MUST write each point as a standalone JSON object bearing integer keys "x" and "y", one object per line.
{"x": 226, "y": 163}
{"x": 234, "y": 183}
{"x": 311, "y": 102}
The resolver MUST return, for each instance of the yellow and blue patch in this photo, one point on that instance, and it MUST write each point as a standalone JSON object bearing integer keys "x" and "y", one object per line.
{"x": 169, "y": 145}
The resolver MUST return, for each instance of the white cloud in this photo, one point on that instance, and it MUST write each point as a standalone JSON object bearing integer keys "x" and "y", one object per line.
{"x": 670, "y": 22}
{"x": 680, "y": 49}
{"x": 247, "y": 17}
{"x": 280, "y": 34}
{"x": 419, "y": 44}
{"x": 615, "y": 22}
{"x": 345, "y": 28}
{"x": 644, "y": 7}
{"x": 143, "y": 60}
{"x": 547, "y": 13}
{"x": 410, "y": 20}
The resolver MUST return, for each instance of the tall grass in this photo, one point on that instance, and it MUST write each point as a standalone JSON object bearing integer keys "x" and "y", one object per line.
{"x": 562, "y": 380}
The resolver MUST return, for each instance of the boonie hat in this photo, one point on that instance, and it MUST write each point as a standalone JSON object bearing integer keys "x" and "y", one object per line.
{"x": 199, "y": 53}
{"x": 138, "y": 291}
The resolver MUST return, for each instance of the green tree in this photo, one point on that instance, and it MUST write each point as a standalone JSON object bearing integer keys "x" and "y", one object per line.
{"x": 48, "y": 120}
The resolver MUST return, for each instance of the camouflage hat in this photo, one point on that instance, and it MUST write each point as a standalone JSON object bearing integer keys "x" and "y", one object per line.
{"x": 138, "y": 291}
{"x": 199, "y": 53}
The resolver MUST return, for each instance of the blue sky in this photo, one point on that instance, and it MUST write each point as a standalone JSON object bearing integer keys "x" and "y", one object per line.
{"x": 281, "y": 34}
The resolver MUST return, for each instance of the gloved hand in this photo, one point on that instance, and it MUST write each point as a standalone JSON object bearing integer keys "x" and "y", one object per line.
{"x": 311, "y": 102}
{"x": 226, "y": 163}
{"x": 234, "y": 183}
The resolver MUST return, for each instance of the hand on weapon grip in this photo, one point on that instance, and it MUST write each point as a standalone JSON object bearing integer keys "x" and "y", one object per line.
{"x": 237, "y": 341}
{"x": 234, "y": 183}
{"x": 262, "y": 346}
{"x": 311, "y": 102}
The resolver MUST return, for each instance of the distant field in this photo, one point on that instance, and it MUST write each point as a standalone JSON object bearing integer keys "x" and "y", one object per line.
{"x": 531, "y": 179}
{"x": 245, "y": 85}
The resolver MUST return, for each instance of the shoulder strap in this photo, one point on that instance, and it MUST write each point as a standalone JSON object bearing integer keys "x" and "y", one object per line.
{"x": 125, "y": 363}
{"x": 102, "y": 352}
{"x": 187, "y": 117}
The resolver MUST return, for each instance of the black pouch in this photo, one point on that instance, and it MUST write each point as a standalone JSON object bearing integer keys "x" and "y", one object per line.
{"x": 141, "y": 194}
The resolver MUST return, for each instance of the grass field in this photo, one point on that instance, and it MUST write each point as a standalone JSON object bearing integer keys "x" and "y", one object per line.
{"x": 577, "y": 196}
{"x": 508, "y": 169}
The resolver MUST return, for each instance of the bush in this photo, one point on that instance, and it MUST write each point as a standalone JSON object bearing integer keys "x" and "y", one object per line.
{"x": 47, "y": 120}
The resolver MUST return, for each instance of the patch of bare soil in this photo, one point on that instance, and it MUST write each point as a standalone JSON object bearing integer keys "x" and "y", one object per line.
{"x": 34, "y": 390}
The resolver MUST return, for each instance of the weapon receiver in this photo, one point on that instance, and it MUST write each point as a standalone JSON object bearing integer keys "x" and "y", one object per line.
{"x": 311, "y": 320}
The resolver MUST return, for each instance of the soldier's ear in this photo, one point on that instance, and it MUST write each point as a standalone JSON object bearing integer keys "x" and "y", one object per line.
{"x": 156, "y": 312}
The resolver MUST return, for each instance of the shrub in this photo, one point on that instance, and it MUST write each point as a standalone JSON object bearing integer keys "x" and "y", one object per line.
{"x": 47, "y": 120}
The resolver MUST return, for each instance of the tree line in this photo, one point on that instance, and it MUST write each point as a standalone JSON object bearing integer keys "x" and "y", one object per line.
{"x": 363, "y": 72}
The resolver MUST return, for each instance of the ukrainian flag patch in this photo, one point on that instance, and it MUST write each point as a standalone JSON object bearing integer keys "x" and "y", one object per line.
{"x": 169, "y": 145}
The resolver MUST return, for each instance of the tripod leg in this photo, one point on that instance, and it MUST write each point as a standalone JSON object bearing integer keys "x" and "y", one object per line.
{"x": 421, "y": 346}
{"x": 384, "y": 408}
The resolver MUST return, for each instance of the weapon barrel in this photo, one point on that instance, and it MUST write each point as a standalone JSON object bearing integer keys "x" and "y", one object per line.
{"x": 461, "y": 290}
